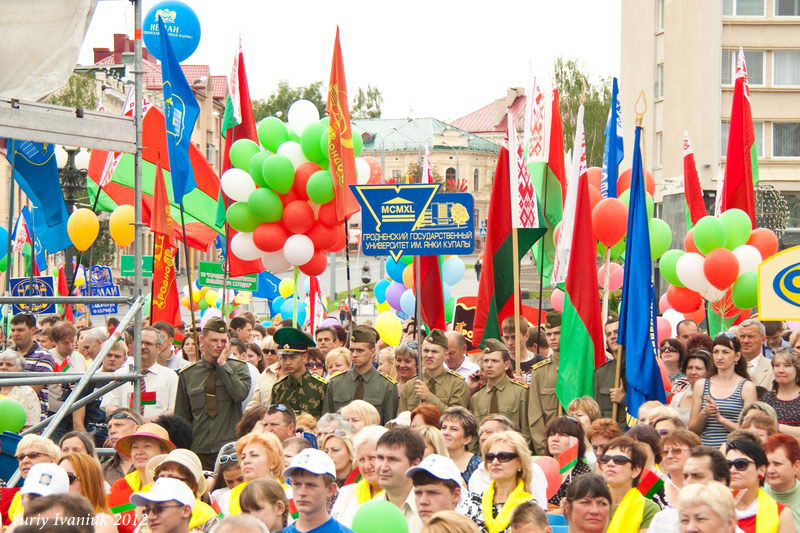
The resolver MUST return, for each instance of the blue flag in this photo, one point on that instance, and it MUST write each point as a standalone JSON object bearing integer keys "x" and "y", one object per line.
{"x": 637, "y": 318}
{"x": 54, "y": 239}
{"x": 38, "y": 248}
{"x": 614, "y": 151}
{"x": 267, "y": 286}
{"x": 180, "y": 112}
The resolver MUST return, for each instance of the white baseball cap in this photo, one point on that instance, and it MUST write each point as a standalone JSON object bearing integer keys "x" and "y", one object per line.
{"x": 440, "y": 467}
{"x": 311, "y": 460}
{"x": 165, "y": 489}
{"x": 45, "y": 479}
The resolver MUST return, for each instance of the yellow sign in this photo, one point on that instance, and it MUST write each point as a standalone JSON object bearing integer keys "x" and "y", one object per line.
{"x": 779, "y": 286}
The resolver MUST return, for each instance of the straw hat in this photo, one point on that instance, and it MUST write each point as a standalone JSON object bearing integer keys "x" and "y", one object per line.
{"x": 186, "y": 458}
{"x": 150, "y": 431}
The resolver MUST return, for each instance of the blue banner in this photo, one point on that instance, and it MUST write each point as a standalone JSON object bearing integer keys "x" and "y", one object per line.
{"x": 614, "y": 151}
{"x": 38, "y": 286}
{"x": 100, "y": 282}
{"x": 38, "y": 248}
{"x": 267, "y": 286}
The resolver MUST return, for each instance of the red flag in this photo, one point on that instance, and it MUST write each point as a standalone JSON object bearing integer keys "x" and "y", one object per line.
{"x": 315, "y": 301}
{"x": 555, "y": 158}
{"x": 160, "y": 219}
{"x": 691, "y": 183}
{"x": 340, "y": 138}
{"x": 737, "y": 188}
{"x": 63, "y": 290}
{"x": 164, "y": 301}
{"x": 429, "y": 290}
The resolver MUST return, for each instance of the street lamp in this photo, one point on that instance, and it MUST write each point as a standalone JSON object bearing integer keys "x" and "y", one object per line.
{"x": 73, "y": 167}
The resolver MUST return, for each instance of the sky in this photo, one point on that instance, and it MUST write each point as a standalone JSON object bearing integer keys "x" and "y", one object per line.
{"x": 434, "y": 58}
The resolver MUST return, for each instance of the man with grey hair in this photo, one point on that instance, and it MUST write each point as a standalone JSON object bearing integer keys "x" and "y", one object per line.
{"x": 330, "y": 422}
{"x": 12, "y": 361}
{"x": 91, "y": 341}
{"x": 242, "y": 523}
{"x": 751, "y": 336}
{"x": 456, "y": 356}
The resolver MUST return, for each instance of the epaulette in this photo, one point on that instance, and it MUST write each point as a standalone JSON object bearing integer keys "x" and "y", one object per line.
{"x": 456, "y": 374}
{"x": 520, "y": 383}
{"x": 336, "y": 374}
{"x": 541, "y": 364}
{"x": 319, "y": 378}
{"x": 187, "y": 367}
{"x": 387, "y": 376}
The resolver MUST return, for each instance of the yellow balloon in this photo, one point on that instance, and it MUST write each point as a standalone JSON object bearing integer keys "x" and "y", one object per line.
{"x": 211, "y": 298}
{"x": 203, "y": 291}
{"x": 384, "y": 307}
{"x": 121, "y": 225}
{"x": 286, "y": 287}
{"x": 242, "y": 298}
{"x": 80, "y": 281}
{"x": 83, "y": 228}
{"x": 197, "y": 296}
{"x": 389, "y": 327}
{"x": 185, "y": 301}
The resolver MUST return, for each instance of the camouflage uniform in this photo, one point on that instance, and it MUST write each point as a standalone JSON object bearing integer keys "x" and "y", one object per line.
{"x": 304, "y": 395}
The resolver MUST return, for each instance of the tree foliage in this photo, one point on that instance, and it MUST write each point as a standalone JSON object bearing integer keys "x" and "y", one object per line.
{"x": 367, "y": 103}
{"x": 575, "y": 87}
{"x": 414, "y": 173}
{"x": 278, "y": 103}
{"x": 79, "y": 92}
{"x": 103, "y": 249}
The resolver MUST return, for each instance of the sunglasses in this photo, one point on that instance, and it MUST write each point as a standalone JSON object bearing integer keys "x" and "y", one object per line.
{"x": 157, "y": 509}
{"x": 668, "y": 348}
{"x": 33, "y": 455}
{"x": 503, "y": 457}
{"x": 740, "y": 464}
{"x": 314, "y": 364}
{"x": 278, "y": 407}
{"x": 618, "y": 460}
{"x": 72, "y": 478}
{"x": 271, "y": 352}
{"x": 121, "y": 416}
{"x": 412, "y": 344}
{"x": 228, "y": 458}
{"x": 663, "y": 431}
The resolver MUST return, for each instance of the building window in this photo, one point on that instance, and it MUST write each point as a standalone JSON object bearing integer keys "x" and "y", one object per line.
{"x": 659, "y": 86}
{"x": 659, "y": 15}
{"x": 476, "y": 181}
{"x": 786, "y": 139}
{"x": 786, "y": 68}
{"x": 397, "y": 174}
{"x": 211, "y": 154}
{"x": 787, "y": 8}
{"x": 743, "y": 8}
{"x": 450, "y": 179}
{"x": 758, "y": 131}
{"x": 755, "y": 66}
{"x": 659, "y": 149}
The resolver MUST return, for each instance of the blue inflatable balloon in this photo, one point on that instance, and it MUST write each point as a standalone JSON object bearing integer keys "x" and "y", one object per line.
{"x": 301, "y": 313}
{"x": 394, "y": 269}
{"x": 408, "y": 302}
{"x": 266, "y": 323}
{"x": 380, "y": 290}
{"x": 453, "y": 270}
{"x": 306, "y": 285}
{"x": 4, "y": 242}
{"x": 446, "y": 292}
{"x": 275, "y": 308}
{"x": 182, "y": 25}
{"x": 287, "y": 308}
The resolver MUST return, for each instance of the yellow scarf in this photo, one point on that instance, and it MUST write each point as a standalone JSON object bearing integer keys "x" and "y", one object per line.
{"x": 134, "y": 480}
{"x": 201, "y": 513}
{"x": 501, "y": 521}
{"x": 15, "y": 509}
{"x": 364, "y": 492}
{"x": 629, "y": 515}
{"x": 767, "y": 515}
{"x": 235, "y": 507}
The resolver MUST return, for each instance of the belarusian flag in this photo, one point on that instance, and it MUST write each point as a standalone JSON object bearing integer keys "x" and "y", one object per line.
{"x": 568, "y": 459}
{"x": 650, "y": 483}
{"x": 293, "y": 512}
{"x": 695, "y": 207}
{"x": 63, "y": 366}
{"x": 317, "y": 313}
{"x": 148, "y": 398}
{"x": 582, "y": 345}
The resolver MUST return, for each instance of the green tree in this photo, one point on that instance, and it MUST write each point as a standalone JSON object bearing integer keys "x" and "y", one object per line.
{"x": 79, "y": 92}
{"x": 414, "y": 173}
{"x": 103, "y": 250}
{"x": 576, "y": 88}
{"x": 278, "y": 103}
{"x": 367, "y": 103}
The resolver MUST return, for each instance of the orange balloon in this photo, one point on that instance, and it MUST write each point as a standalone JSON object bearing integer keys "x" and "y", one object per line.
{"x": 609, "y": 221}
{"x": 765, "y": 241}
{"x": 594, "y": 196}
{"x": 624, "y": 182}
{"x": 696, "y": 316}
{"x": 595, "y": 175}
{"x": 688, "y": 242}
{"x": 408, "y": 276}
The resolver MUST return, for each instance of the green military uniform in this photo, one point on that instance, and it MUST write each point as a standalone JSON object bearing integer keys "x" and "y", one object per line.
{"x": 377, "y": 388}
{"x": 304, "y": 394}
{"x": 604, "y": 378}
{"x": 447, "y": 389}
{"x": 542, "y": 399}
{"x": 511, "y": 397}
{"x": 213, "y": 415}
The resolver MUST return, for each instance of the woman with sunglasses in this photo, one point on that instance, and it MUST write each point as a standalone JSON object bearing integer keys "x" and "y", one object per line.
{"x": 675, "y": 449}
{"x": 316, "y": 362}
{"x": 785, "y": 393}
{"x": 718, "y": 399}
{"x": 507, "y": 459}
{"x": 757, "y": 511}
{"x": 31, "y": 450}
{"x": 561, "y": 435}
{"x": 227, "y": 474}
{"x": 86, "y": 479}
{"x": 672, "y": 353}
{"x": 405, "y": 362}
{"x": 694, "y": 367}
{"x": 621, "y": 465}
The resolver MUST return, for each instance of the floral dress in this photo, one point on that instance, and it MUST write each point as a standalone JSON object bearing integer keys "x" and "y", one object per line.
{"x": 580, "y": 468}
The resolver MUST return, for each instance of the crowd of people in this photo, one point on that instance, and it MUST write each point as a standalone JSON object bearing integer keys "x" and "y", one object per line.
{"x": 246, "y": 428}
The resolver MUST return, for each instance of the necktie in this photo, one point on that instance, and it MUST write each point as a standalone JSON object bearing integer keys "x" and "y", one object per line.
{"x": 359, "y": 395}
{"x": 211, "y": 393}
{"x": 432, "y": 386}
{"x": 493, "y": 408}
{"x": 144, "y": 389}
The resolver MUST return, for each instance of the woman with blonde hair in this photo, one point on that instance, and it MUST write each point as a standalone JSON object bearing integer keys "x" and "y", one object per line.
{"x": 434, "y": 442}
{"x": 785, "y": 393}
{"x": 339, "y": 447}
{"x": 265, "y": 500}
{"x": 260, "y": 456}
{"x": 360, "y": 413}
{"x": 31, "y": 450}
{"x": 86, "y": 479}
{"x": 450, "y": 522}
{"x": 706, "y": 507}
{"x": 337, "y": 361}
{"x": 386, "y": 362}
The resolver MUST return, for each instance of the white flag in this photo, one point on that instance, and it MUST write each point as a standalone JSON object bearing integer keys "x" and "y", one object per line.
{"x": 524, "y": 212}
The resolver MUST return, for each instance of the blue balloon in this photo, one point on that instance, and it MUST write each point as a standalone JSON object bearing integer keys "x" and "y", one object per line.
{"x": 287, "y": 308}
{"x": 380, "y": 290}
{"x": 181, "y": 23}
{"x": 301, "y": 313}
{"x": 453, "y": 270}
{"x": 395, "y": 270}
{"x": 446, "y": 292}
{"x": 306, "y": 285}
{"x": 275, "y": 308}
{"x": 266, "y": 323}
{"x": 408, "y": 302}
{"x": 3, "y": 241}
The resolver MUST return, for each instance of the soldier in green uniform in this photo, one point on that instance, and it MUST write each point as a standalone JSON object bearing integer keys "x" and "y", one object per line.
{"x": 211, "y": 392}
{"x": 542, "y": 400}
{"x": 501, "y": 394}
{"x": 604, "y": 376}
{"x": 300, "y": 389}
{"x": 363, "y": 382}
{"x": 438, "y": 386}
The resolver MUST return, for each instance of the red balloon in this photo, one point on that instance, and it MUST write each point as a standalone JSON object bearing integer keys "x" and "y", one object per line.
{"x": 595, "y": 175}
{"x": 290, "y": 197}
{"x": 316, "y": 265}
{"x": 327, "y": 214}
{"x": 298, "y": 217}
{"x": 375, "y": 170}
{"x": 322, "y": 235}
{"x": 624, "y": 182}
{"x": 551, "y": 473}
{"x": 697, "y": 315}
{"x": 721, "y": 268}
{"x": 339, "y": 240}
{"x": 270, "y": 236}
{"x": 301, "y": 175}
{"x": 765, "y": 240}
{"x": 742, "y": 317}
{"x": 609, "y": 221}
{"x": 594, "y": 196}
{"x": 663, "y": 304}
{"x": 683, "y": 300}
{"x": 688, "y": 242}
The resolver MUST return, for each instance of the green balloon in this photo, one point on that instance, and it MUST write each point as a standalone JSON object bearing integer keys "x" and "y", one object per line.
{"x": 255, "y": 167}
{"x": 320, "y": 187}
{"x": 12, "y": 415}
{"x": 241, "y": 218}
{"x": 738, "y": 225}
{"x": 323, "y": 144}
{"x": 278, "y": 172}
{"x": 625, "y": 198}
{"x": 272, "y": 133}
{"x": 379, "y": 515}
{"x": 449, "y": 308}
{"x": 265, "y": 204}
{"x": 294, "y": 137}
{"x": 618, "y": 250}
{"x": 709, "y": 234}
{"x": 311, "y": 139}
{"x": 660, "y": 237}
{"x": 651, "y": 205}
{"x": 241, "y": 152}
{"x": 744, "y": 290}
{"x": 3, "y": 263}
{"x": 667, "y": 266}
{"x": 406, "y": 259}
{"x": 324, "y": 164}
{"x": 358, "y": 143}
{"x": 202, "y": 304}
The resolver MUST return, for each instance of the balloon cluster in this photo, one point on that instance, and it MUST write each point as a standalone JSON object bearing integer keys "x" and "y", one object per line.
{"x": 209, "y": 302}
{"x": 282, "y": 307}
{"x": 283, "y": 192}
{"x": 719, "y": 264}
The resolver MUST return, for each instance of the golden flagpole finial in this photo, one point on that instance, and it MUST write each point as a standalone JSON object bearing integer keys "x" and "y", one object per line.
{"x": 640, "y": 108}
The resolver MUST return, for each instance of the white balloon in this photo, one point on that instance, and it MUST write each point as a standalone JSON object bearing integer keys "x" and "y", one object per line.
{"x": 237, "y": 184}
{"x": 749, "y": 258}
{"x": 673, "y": 317}
{"x": 292, "y": 151}
{"x": 298, "y": 249}
{"x": 690, "y": 271}
{"x": 362, "y": 171}
{"x": 275, "y": 262}
{"x": 243, "y": 247}
{"x": 210, "y": 313}
{"x": 301, "y": 114}
{"x": 713, "y": 294}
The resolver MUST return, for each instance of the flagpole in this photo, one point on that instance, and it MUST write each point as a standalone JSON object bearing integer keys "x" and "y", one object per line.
{"x": 605, "y": 289}
{"x": 517, "y": 339}
{"x": 189, "y": 278}
{"x": 294, "y": 300}
{"x": 13, "y": 149}
{"x": 541, "y": 251}
{"x": 225, "y": 274}
{"x": 347, "y": 264}
{"x": 418, "y": 311}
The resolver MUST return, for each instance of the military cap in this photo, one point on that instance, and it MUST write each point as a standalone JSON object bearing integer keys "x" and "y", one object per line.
{"x": 292, "y": 341}
{"x": 216, "y": 324}
{"x": 612, "y": 317}
{"x": 553, "y": 319}
{"x": 494, "y": 345}
{"x": 364, "y": 334}
{"x": 436, "y": 336}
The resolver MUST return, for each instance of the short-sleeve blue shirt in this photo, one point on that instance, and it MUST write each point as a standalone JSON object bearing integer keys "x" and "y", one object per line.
{"x": 331, "y": 526}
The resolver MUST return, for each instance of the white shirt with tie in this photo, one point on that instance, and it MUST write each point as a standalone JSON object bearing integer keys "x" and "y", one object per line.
{"x": 158, "y": 379}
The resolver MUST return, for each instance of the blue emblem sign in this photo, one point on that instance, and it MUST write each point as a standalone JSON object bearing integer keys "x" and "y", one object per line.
{"x": 38, "y": 286}
{"x": 414, "y": 219}
{"x": 102, "y": 284}
{"x": 183, "y": 29}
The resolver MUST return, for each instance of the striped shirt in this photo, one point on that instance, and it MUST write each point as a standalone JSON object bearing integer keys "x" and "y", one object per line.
{"x": 39, "y": 360}
{"x": 715, "y": 433}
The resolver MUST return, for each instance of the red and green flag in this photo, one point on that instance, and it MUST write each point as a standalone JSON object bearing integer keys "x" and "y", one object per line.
{"x": 148, "y": 398}
{"x": 695, "y": 206}
{"x": 293, "y": 512}
{"x": 568, "y": 459}
{"x": 429, "y": 290}
{"x": 650, "y": 483}
{"x": 63, "y": 366}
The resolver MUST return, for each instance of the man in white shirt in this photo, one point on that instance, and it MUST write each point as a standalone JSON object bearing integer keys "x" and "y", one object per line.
{"x": 169, "y": 357}
{"x": 160, "y": 383}
{"x": 456, "y": 356}
{"x": 398, "y": 450}
{"x": 751, "y": 336}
